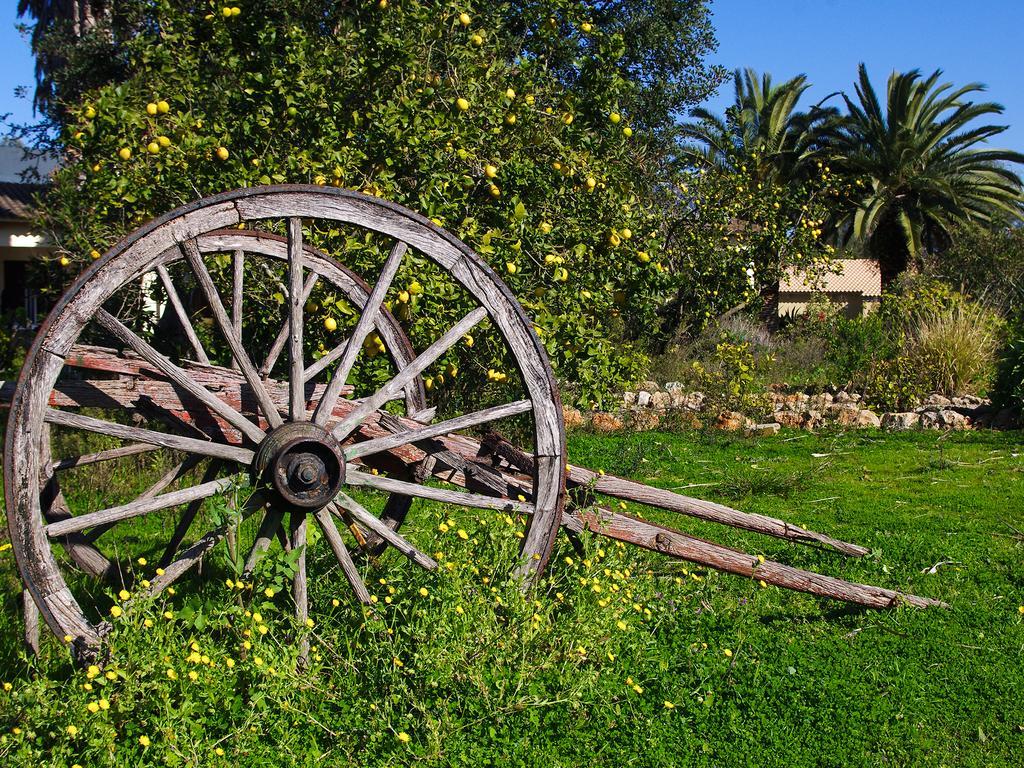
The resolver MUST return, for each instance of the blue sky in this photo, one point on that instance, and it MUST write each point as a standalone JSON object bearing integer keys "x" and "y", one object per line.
{"x": 825, "y": 39}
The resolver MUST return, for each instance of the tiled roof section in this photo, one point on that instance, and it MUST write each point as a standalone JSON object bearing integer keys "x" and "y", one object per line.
{"x": 857, "y": 276}
{"x": 16, "y": 200}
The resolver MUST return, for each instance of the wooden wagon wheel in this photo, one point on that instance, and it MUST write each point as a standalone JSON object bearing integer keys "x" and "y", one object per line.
{"x": 299, "y": 442}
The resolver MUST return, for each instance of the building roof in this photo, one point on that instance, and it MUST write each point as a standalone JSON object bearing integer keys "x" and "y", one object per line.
{"x": 16, "y": 200}
{"x": 854, "y": 276}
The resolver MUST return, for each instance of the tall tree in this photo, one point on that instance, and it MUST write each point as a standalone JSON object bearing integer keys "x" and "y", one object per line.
{"x": 762, "y": 128}
{"x": 923, "y": 165}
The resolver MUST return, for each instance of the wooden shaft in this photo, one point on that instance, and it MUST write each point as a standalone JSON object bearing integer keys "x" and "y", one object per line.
{"x": 381, "y": 483}
{"x": 269, "y": 526}
{"x": 179, "y": 310}
{"x": 137, "y": 508}
{"x": 185, "y": 521}
{"x": 179, "y": 376}
{"x": 282, "y": 336}
{"x": 440, "y": 428}
{"x": 71, "y": 462}
{"x": 137, "y": 434}
{"x": 220, "y": 315}
{"x": 299, "y": 587}
{"x": 674, "y": 543}
{"x": 362, "y": 516}
{"x": 395, "y": 386}
{"x": 237, "y": 278}
{"x": 629, "y": 490}
{"x": 348, "y": 567}
{"x": 365, "y": 324}
{"x": 297, "y": 375}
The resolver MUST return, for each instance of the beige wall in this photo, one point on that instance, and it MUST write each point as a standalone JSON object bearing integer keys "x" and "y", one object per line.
{"x": 792, "y": 303}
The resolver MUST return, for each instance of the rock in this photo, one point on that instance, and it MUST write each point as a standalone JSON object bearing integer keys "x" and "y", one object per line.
{"x": 790, "y": 419}
{"x": 764, "y": 430}
{"x": 643, "y": 398}
{"x": 842, "y": 396}
{"x": 629, "y": 398}
{"x": 820, "y": 402}
{"x": 812, "y": 419}
{"x": 606, "y": 422}
{"x": 955, "y": 420}
{"x": 642, "y": 421}
{"x": 678, "y": 398}
{"x": 730, "y": 421}
{"x": 694, "y": 401}
{"x": 674, "y": 386}
{"x": 866, "y": 418}
{"x": 930, "y": 419}
{"x": 841, "y": 411}
{"x": 936, "y": 399}
{"x": 900, "y": 421}
{"x": 661, "y": 400}
{"x": 650, "y": 386}
{"x": 573, "y": 417}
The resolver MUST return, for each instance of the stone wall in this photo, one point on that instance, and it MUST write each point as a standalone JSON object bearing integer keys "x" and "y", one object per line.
{"x": 652, "y": 405}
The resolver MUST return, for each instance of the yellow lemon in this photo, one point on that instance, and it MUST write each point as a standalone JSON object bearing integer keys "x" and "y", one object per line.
{"x": 151, "y": 108}
{"x": 64, "y": 261}
{"x": 222, "y": 153}
{"x": 477, "y": 40}
{"x": 627, "y": 131}
{"x": 490, "y": 171}
{"x": 226, "y": 11}
{"x": 545, "y": 227}
{"x": 587, "y": 27}
{"x": 124, "y": 153}
{"x": 163, "y": 107}
{"x": 90, "y": 113}
{"x": 510, "y": 94}
{"x": 462, "y": 104}
{"x": 464, "y": 19}
{"x": 495, "y": 192}
{"x": 330, "y": 324}
{"x": 163, "y": 141}
{"x": 615, "y": 117}
{"x": 511, "y": 268}
{"x": 415, "y": 289}
{"x": 153, "y": 148}
{"x": 626, "y": 233}
{"x": 567, "y": 118}
{"x": 591, "y": 183}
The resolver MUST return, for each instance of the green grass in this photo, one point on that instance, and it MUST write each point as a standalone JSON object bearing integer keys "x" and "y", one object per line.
{"x": 489, "y": 678}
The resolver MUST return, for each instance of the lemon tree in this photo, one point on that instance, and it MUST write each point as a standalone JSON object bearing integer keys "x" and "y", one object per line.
{"x": 536, "y": 132}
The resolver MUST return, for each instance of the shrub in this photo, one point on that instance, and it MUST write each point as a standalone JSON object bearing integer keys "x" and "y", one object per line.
{"x": 732, "y": 379}
{"x": 953, "y": 349}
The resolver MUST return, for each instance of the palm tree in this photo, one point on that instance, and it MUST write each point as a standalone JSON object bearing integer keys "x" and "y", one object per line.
{"x": 923, "y": 167}
{"x": 762, "y": 129}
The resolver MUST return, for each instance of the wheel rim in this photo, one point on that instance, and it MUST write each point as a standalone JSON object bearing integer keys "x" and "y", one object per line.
{"x": 185, "y": 236}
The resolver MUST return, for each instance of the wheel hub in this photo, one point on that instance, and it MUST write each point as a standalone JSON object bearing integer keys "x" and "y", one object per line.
{"x": 301, "y": 464}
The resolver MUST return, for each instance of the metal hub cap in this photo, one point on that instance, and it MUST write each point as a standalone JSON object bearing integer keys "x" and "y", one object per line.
{"x": 302, "y": 464}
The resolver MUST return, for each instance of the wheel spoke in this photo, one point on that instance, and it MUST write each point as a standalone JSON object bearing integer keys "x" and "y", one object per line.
{"x": 299, "y": 589}
{"x": 354, "y": 477}
{"x": 137, "y": 434}
{"x": 175, "y": 473}
{"x": 185, "y": 521}
{"x": 195, "y": 553}
{"x": 269, "y": 527}
{"x": 179, "y": 376}
{"x": 366, "y": 323}
{"x": 237, "y": 281}
{"x": 434, "y": 430}
{"x": 282, "y": 336}
{"x": 393, "y": 388}
{"x": 296, "y": 379}
{"x": 348, "y": 567}
{"x": 137, "y": 508}
{"x": 362, "y": 516}
{"x": 179, "y": 310}
{"x": 318, "y": 365}
{"x": 70, "y": 462}
{"x": 220, "y": 315}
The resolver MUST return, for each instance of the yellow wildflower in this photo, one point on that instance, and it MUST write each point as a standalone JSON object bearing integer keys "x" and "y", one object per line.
{"x": 115, "y": 611}
{"x": 423, "y": 592}
{"x": 728, "y": 653}
{"x": 403, "y": 737}
{"x": 72, "y": 731}
{"x": 144, "y": 740}
{"x": 93, "y": 707}
{"x": 463, "y": 535}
